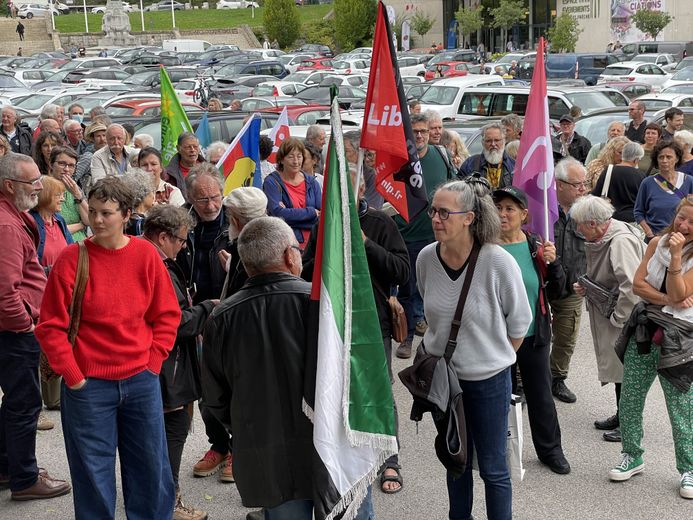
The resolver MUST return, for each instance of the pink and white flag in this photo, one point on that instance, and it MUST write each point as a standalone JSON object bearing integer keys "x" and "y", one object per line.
{"x": 534, "y": 165}
{"x": 279, "y": 132}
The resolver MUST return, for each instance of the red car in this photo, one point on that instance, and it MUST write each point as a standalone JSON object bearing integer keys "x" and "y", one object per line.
{"x": 301, "y": 115}
{"x": 315, "y": 64}
{"x": 447, "y": 69}
{"x": 144, "y": 107}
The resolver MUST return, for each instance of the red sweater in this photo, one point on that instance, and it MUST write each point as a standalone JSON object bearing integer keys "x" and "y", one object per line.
{"x": 130, "y": 313}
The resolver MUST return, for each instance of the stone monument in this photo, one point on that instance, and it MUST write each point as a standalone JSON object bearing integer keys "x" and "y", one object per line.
{"x": 116, "y": 25}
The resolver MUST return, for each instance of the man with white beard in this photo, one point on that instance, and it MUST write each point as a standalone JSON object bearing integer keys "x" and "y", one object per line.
{"x": 493, "y": 163}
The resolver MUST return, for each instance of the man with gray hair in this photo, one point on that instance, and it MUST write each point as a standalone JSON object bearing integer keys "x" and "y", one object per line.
{"x": 435, "y": 127}
{"x": 52, "y": 111}
{"x": 22, "y": 282}
{"x": 75, "y": 136}
{"x": 513, "y": 127}
{"x": 571, "y": 184}
{"x": 493, "y": 164}
{"x": 114, "y": 159}
{"x": 317, "y": 136}
{"x": 254, "y": 367}
{"x": 18, "y": 134}
{"x": 189, "y": 155}
{"x": 615, "y": 129}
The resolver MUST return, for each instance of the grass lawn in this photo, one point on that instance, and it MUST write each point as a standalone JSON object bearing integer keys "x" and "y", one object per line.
{"x": 186, "y": 20}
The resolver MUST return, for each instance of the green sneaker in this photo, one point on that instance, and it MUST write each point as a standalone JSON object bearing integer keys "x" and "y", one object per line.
{"x": 686, "y": 489}
{"x": 627, "y": 468}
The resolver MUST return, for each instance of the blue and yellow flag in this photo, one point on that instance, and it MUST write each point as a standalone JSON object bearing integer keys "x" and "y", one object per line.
{"x": 240, "y": 164}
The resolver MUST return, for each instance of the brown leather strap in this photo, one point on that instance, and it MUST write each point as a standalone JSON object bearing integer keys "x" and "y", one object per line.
{"x": 78, "y": 293}
{"x": 457, "y": 320}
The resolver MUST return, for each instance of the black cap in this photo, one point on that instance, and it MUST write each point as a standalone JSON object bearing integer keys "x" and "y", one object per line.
{"x": 512, "y": 192}
{"x": 566, "y": 117}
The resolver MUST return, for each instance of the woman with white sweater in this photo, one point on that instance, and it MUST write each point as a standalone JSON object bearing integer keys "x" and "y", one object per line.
{"x": 495, "y": 320}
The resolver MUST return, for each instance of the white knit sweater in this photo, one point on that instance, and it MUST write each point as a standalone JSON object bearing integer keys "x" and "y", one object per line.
{"x": 497, "y": 308}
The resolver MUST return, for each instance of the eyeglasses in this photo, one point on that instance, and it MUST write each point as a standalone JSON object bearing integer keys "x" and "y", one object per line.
{"x": 181, "y": 240}
{"x": 493, "y": 141}
{"x": 63, "y": 164}
{"x": 443, "y": 214}
{"x": 420, "y": 131}
{"x": 34, "y": 182}
{"x": 585, "y": 184}
{"x": 206, "y": 200}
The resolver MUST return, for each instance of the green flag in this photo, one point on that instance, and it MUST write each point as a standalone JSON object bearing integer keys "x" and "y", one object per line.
{"x": 174, "y": 121}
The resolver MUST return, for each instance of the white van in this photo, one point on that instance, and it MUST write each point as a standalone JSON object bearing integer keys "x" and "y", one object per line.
{"x": 444, "y": 95}
{"x": 185, "y": 45}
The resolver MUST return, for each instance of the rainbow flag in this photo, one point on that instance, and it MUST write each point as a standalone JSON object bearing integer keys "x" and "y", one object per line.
{"x": 240, "y": 164}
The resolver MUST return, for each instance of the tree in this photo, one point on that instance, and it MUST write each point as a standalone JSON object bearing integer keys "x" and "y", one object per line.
{"x": 470, "y": 21}
{"x": 564, "y": 34}
{"x": 421, "y": 23}
{"x": 354, "y": 22}
{"x": 282, "y": 21}
{"x": 651, "y": 22}
{"x": 507, "y": 14}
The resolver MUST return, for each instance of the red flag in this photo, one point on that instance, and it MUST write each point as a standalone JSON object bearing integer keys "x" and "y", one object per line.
{"x": 534, "y": 165}
{"x": 279, "y": 132}
{"x": 387, "y": 128}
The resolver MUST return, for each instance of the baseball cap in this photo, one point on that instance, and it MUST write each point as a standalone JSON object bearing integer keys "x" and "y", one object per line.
{"x": 512, "y": 192}
{"x": 566, "y": 117}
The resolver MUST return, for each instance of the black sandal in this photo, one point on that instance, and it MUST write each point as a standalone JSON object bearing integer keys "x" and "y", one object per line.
{"x": 391, "y": 478}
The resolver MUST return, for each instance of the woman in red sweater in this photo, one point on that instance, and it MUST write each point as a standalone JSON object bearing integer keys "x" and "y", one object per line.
{"x": 110, "y": 394}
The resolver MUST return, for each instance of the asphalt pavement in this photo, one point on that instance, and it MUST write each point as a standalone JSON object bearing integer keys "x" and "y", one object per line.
{"x": 585, "y": 494}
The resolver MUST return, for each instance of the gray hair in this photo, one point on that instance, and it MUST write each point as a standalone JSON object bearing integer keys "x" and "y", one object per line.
{"x": 512, "y": 120}
{"x": 684, "y": 138}
{"x": 70, "y": 122}
{"x": 433, "y": 116}
{"x": 140, "y": 182}
{"x": 216, "y": 146}
{"x": 473, "y": 196}
{"x": 353, "y": 137}
{"x": 9, "y": 164}
{"x": 560, "y": 171}
{"x": 512, "y": 148}
{"x": 313, "y": 131}
{"x": 50, "y": 111}
{"x": 116, "y": 126}
{"x": 74, "y": 105}
{"x": 491, "y": 126}
{"x": 419, "y": 118}
{"x": 185, "y": 136}
{"x": 262, "y": 243}
{"x": 9, "y": 109}
{"x": 591, "y": 209}
{"x": 200, "y": 170}
{"x": 613, "y": 123}
{"x": 633, "y": 152}
{"x": 168, "y": 219}
{"x": 145, "y": 139}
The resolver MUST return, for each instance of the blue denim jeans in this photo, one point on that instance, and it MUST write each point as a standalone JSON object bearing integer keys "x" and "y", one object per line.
{"x": 303, "y": 510}
{"x": 486, "y": 405}
{"x": 126, "y": 415}
{"x": 408, "y": 294}
{"x": 19, "y": 411}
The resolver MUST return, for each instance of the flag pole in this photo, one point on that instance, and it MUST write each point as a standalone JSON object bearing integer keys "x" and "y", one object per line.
{"x": 359, "y": 170}
{"x": 546, "y": 206}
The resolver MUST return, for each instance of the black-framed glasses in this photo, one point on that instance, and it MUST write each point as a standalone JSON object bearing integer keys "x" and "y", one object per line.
{"x": 34, "y": 182}
{"x": 585, "y": 184}
{"x": 206, "y": 200}
{"x": 443, "y": 213}
{"x": 181, "y": 240}
{"x": 69, "y": 166}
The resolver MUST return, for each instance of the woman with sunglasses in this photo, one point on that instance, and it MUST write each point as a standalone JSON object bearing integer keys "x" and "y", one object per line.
{"x": 495, "y": 320}
{"x": 660, "y": 194}
{"x": 63, "y": 162}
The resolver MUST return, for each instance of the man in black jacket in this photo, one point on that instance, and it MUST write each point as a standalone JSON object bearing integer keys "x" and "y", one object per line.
{"x": 19, "y": 135}
{"x": 255, "y": 357}
{"x": 569, "y": 142}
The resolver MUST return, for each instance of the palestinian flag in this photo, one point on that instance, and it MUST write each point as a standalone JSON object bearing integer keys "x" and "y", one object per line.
{"x": 354, "y": 424}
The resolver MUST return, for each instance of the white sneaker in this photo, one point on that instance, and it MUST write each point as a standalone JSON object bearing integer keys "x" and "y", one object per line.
{"x": 686, "y": 489}
{"x": 628, "y": 467}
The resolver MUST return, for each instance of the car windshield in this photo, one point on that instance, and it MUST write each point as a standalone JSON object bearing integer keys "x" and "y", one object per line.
{"x": 509, "y": 57}
{"x": 590, "y": 101}
{"x": 299, "y": 77}
{"x": 438, "y": 95}
{"x": 285, "y": 60}
{"x": 594, "y": 128}
{"x": 617, "y": 71}
{"x": 119, "y": 111}
{"x": 680, "y": 89}
{"x": 33, "y": 102}
{"x": 341, "y": 65}
{"x": 11, "y": 82}
{"x": 656, "y": 104}
{"x": 556, "y": 62}
{"x": 94, "y": 100}
{"x": 684, "y": 63}
{"x": 646, "y": 59}
{"x": 684, "y": 75}
{"x": 139, "y": 79}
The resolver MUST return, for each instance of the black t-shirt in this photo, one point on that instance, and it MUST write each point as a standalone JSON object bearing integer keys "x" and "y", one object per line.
{"x": 623, "y": 190}
{"x": 636, "y": 135}
{"x": 454, "y": 274}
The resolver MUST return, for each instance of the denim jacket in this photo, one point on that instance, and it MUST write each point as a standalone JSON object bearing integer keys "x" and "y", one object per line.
{"x": 42, "y": 231}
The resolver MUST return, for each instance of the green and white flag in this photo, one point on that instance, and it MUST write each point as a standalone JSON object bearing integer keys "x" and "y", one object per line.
{"x": 174, "y": 120}
{"x": 353, "y": 416}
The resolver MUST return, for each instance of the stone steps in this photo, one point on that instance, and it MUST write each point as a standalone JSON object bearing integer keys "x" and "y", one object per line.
{"x": 37, "y": 37}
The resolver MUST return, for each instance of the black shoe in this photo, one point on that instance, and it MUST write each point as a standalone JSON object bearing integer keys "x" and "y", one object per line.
{"x": 562, "y": 392}
{"x": 256, "y": 515}
{"x": 613, "y": 436}
{"x": 404, "y": 349}
{"x": 557, "y": 464}
{"x": 607, "y": 424}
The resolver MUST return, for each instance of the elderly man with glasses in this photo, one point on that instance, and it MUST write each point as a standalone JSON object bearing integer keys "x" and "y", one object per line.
{"x": 18, "y": 134}
{"x": 493, "y": 164}
{"x": 75, "y": 136}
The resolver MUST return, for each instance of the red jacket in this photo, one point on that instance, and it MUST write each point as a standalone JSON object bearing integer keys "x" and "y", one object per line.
{"x": 22, "y": 279}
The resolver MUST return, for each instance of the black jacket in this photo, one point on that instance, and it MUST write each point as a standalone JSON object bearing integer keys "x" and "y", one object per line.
{"x": 388, "y": 259}
{"x": 578, "y": 148}
{"x": 551, "y": 284}
{"x": 217, "y": 274}
{"x": 570, "y": 249}
{"x": 258, "y": 346}
{"x": 236, "y": 275}
{"x": 180, "y": 373}
{"x": 22, "y": 140}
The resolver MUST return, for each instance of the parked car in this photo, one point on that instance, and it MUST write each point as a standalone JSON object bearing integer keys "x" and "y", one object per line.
{"x": 685, "y": 63}
{"x": 680, "y": 77}
{"x": 251, "y": 104}
{"x": 676, "y": 48}
{"x": 666, "y": 61}
{"x": 630, "y": 89}
{"x": 31, "y": 76}
{"x": 29, "y": 11}
{"x": 584, "y": 66}
{"x": 412, "y": 65}
{"x": 278, "y": 88}
{"x": 444, "y": 95}
{"x": 292, "y": 62}
{"x": 101, "y": 9}
{"x": 236, "y": 4}
{"x": 447, "y": 69}
{"x": 316, "y": 49}
{"x": 634, "y": 71}
{"x": 315, "y": 63}
{"x": 144, "y": 108}
{"x": 165, "y": 5}
{"x": 666, "y": 100}
{"x": 352, "y": 66}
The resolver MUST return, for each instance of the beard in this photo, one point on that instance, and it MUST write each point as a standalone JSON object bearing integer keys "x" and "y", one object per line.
{"x": 493, "y": 156}
{"x": 25, "y": 202}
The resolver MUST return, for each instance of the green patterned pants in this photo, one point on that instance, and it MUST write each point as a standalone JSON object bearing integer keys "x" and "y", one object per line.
{"x": 639, "y": 373}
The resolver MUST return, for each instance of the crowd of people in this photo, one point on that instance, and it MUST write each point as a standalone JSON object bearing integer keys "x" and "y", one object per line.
{"x": 132, "y": 289}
